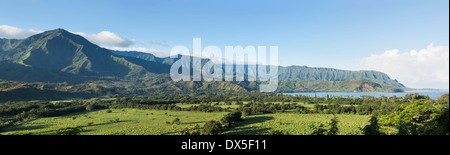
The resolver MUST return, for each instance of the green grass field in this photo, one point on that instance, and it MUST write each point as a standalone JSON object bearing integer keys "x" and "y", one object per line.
{"x": 131, "y": 122}
{"x": 153, "y": 122}
{"x": 297, "y": 124}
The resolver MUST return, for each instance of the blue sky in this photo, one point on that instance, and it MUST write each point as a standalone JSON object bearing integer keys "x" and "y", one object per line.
{"x": 319, "y": 33}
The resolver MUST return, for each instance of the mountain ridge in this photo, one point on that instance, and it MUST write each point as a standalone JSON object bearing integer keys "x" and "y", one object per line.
{"x": 303, "y": 73}
{"x": 61, "y": 51}
{"x": 306, "y": 73}
{"x": 61, "y": 56}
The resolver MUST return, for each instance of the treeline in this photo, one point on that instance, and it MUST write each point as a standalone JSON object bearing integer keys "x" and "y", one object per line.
{"x": 31, "y": 93}
{"x": 377, "y": 109}
{"x": 273, "y": 97}
{"x": 261, "y": 107}
{"x": 36, "y": 109}
{"x": 204, "y": 108}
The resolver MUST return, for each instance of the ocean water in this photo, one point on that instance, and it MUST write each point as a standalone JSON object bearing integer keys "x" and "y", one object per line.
{"x": 431, "y": 94}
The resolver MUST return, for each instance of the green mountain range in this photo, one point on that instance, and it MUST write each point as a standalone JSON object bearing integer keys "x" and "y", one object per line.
{"x": 58, "y": 56}
{"x": 311, "y": 74}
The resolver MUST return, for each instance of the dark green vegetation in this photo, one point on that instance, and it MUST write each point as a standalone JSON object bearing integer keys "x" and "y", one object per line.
{"x": 59, "y": 65}
{"x": 321, "y": 130}
{"x": 410, "y": 115}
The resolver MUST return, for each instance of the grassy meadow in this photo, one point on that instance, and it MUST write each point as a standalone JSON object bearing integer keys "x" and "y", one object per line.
{"x": 297, "y": 124}
{"x": 153, "y": 122}
{"x": 126, "y": 122}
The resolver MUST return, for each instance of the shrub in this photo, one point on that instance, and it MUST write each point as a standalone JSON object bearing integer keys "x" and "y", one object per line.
{"x": 114, "y": 120}
{"x": 90, "y": 107}
{"x": 211, "y": 128}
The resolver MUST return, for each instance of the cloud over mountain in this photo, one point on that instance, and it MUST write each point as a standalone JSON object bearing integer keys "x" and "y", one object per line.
{"x": 11, "y": 32}
{"x": 142, "y": 49}
{"x": 108, "y": 38}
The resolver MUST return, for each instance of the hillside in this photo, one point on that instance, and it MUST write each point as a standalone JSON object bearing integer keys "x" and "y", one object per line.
{"x": 19, "y": 91}
{"x": 310, "y": 74}
{"x": 352, "y": 85}
{"x": 59, "y": 56}
{"x": 296, "y": 73}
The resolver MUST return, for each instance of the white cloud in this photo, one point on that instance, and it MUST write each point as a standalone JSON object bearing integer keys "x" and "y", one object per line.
{"x": 11, "y": 32}
{"x": 142, "y": 49}
{"x": 426, "y": 68}
{"x": 108, "y": 38}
